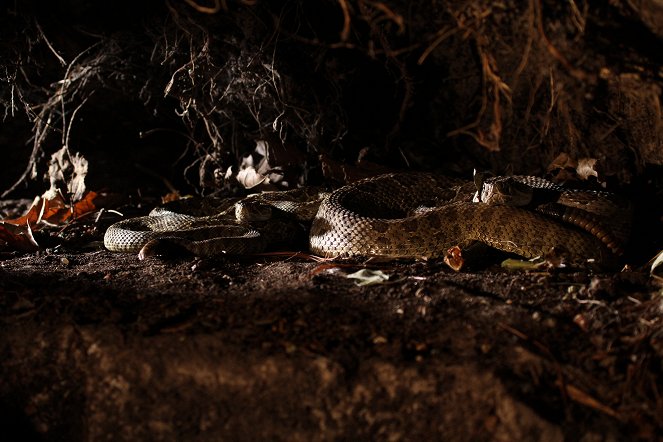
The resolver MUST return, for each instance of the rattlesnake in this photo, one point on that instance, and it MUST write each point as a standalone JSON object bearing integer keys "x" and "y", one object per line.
{"x": 398, "y": 215}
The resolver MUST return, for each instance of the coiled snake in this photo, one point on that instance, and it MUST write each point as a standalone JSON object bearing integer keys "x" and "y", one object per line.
{"x": 403, "y": 215}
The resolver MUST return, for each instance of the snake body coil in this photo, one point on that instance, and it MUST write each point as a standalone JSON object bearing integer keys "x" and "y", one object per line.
{"x": 401, "y": 215}
{"x": 422, "y": 215}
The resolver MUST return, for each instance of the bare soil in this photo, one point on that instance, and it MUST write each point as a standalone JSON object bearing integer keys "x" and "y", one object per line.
{"x": 99, "y": 345}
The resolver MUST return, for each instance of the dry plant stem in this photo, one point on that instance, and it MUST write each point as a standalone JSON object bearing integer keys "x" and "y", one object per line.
{"x": 373, "y": 21}
{"x": 48, "y": 44}
{"x": 528, "y": 45}
{"x": 469, "y": 27}
{"x": 553, "y": 100}
{"x": 579, "y": 18}
{"x": 67, "y": 133}
{"x": 441, "y": 35}
{"x": 575, "y": 72}
{"x": 492, "y": 85}
{"x": 69, "y": 86}
{"x": 218, "y": 5}
{"x": 345, "y": 33}
{"x": 499, "y": 88}
{"x": 406, "y": 103}
{"x": 390, "y": 15}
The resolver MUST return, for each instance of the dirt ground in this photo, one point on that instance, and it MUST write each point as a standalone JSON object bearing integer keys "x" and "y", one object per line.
{"x": 98, "y": 345}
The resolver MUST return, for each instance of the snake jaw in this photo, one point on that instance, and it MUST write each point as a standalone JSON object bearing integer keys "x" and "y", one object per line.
{"x": 162, "y": 247}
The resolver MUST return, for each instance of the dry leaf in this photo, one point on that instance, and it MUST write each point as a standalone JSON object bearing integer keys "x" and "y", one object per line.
{"x": 13, "y": 237}
{"x": 369, "y": 277}
{"x": 523, "y": 265}
{"x": 586, "y": 168}
{"x": 566, "y": 168}
{"x": 656, "y": 270}
{"x": 65, "y": 170}
{"x": 49, "y": 209}
{"x": 170, "y": 197}
{"x": 91, "y": 202}
{"x": 249, "y": 178}
{"x": 44, "y": 208}
{"x": 579, "y": 396}
{"x": 454, "y": 258}
{"x": 562, "y": 161}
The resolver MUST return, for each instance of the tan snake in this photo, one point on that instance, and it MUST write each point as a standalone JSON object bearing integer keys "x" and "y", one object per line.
{"x": 400, "y": 215}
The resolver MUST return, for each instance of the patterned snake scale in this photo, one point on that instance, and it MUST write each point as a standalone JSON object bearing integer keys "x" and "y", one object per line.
{"x": 399, "y": 215}
{"x": 383, "y": 217}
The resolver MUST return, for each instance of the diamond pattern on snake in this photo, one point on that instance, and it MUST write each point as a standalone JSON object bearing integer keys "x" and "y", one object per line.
{"x": 399, "y": 215}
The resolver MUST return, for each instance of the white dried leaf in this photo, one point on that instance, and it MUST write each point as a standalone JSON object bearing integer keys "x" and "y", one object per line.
{"x": 369, "y": 277}
{"x": 247, "y": 161}
{"x": 56, "y": 167}
{"x": 586, "y": 168}
{"x": 273, "y": 173}
{"x": 263, "y": 166}
{"x": 67, "y": 171}
{"x": 261, "y": 147}
{"x": 249, "y": 178}
{"x": 76, "y": 185}
{"x": 229, "y": 173}
{"x": 562, "y": 161}
{"x": 656, "y": 270}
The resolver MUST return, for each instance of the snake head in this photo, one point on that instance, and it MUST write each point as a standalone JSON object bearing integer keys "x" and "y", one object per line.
{"x": 251, "y": 211}
{"x": 505, "y": 191}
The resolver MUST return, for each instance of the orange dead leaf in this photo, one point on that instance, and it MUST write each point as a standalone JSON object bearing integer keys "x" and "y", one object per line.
{"x": 581, "y": 322}
{"x": 14, "y": 237}
{"x": 49, "y": 209}
{"x": 562, "y": 161}
{"x": 30, "y": 217}
{"x": 88, "y": 204}
{"x": 52, "y": 210}
{"x": 170, "y": 197}
{"x": 42, "y": 210}
{"x": 454, "y": 258}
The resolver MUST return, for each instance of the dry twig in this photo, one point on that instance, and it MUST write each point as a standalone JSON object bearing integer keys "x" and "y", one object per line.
{"x": 218, "y": 5}
{"x": 345, "y": 33}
